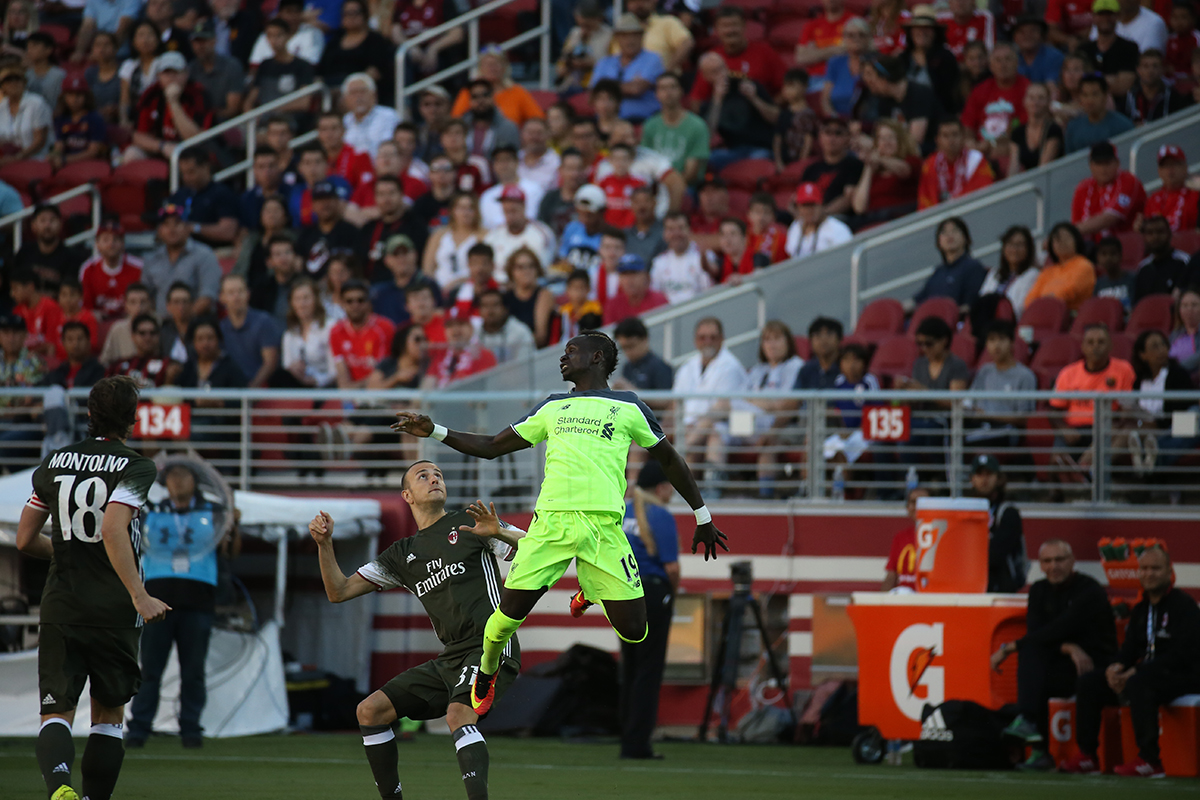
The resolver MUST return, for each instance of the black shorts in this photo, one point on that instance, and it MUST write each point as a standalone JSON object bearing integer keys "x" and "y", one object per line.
{"x": 68, "y": 655}
{"x": 426, "y": 691}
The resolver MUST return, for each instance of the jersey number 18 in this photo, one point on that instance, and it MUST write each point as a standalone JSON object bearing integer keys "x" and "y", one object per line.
{"x": 89, "y": 499}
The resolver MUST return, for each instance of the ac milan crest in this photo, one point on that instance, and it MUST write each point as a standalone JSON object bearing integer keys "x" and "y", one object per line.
{"x": 453, "y": 537}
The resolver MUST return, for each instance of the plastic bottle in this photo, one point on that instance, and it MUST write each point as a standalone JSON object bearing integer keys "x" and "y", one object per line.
{"x": 911, "y": 480}
{"x": 893, "y": 752}
{"x": 839, "y": 484}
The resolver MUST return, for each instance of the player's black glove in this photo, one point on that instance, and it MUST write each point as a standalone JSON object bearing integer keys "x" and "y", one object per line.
{"x": 708, "y": 535}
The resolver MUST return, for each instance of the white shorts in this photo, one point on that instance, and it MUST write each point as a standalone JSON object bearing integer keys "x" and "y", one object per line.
{"x": 851, "y": 446}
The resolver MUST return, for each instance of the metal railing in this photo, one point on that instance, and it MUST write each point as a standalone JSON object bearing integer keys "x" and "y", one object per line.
{"x": 250, "y": 120}
{"x": 16, "y": 219}
{"x": 471, "y": 20}
{"x": 814, "y": 451}
{"x": 732, "y": 339}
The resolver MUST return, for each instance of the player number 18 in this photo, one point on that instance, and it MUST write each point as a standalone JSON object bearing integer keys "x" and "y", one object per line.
{"x": 75, "y": 524}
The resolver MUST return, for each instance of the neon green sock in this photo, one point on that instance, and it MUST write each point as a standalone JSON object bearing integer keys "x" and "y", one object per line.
{"x": 499, "y": 629}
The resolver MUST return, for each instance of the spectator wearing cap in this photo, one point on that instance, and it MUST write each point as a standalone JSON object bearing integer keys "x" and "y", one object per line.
{"x": 220, "y": 75}
{"x": 181, "y": 258}
{"x": 813, "y": 231}
{"x": 1113, "y": 54}
{"x": 1067, "y": 273}
{"x": 579, "y": 246}
{"x": 738, "y": 109}
{"x": 79, "y": 367}
{"x": 1164, "y": 270}
{"x": 354, "y": 47}
{"x": 954, "y": 170}
{"x": 388, "y": 298}
{"x": 505, "y": 336}
{"x": 329, "y": 233}
{"x": 361, "y": 340}
{"x": 838, "y": 170}
{"x": 464, "y": 355}
{"x": 46, "y": 253}
{"x": 41, "y": 313}
{"x": 393, "y": 219}
{"x": 678, "y": 272}
{"x": 251, "y": 336}
{"x": 1174, "y": 200}
{"x": 755, "y": 61}
{"x": 505, "y": 174}
{"x": 368, "y": 124}
{"x": 79, "y": 131}
{"x": 1107, "y": 202}
{"x": 115, "y": 17}
{"x": 43, "y": 77}
{"x": 1136, "y": 23}
{"x": 634, "y": 297}
{"x": 209, "y": 207}
{"x": 1151, "y": 97}
{"x": 1036, "y": 60}
{"x": 635, "y": 68}
{"x": 105, "y": 276}
{"x": 282, "y": 73}
{"x": 25, "y": 118}
{"x": 959, "y": 276}
{"x": 517, "y": 230}
{"x": 641, "y": 367}
{"x": 171, "y": 110}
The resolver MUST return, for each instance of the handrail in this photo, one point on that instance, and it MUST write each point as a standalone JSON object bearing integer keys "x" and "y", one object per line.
{"x": 1189, "y": 120}
{"x": 250, "y": 117}
{"x": 471, "y": 19}
{"x": 17, "y": 217}
{"x": 933, "y": 220}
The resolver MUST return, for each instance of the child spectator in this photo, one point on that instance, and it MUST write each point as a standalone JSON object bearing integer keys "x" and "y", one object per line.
{"x": 70, "y": 301}
{"x": 618, "y": 187}
{"x": 735, "y": 258}
{"x": 578, "y": 313}
{"x": 1113, "y": 281}
{"x": 1182, "y": 40}
{"x": 79, "y": 132}
{"x": 847, "y": 446}
{"x": 797, "y": 124}
{"x": 763, "y": 234}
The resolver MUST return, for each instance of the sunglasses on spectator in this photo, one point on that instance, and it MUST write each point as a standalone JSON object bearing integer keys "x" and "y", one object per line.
{"x": 924, "y": 343}
{"x": 480, "y": 95}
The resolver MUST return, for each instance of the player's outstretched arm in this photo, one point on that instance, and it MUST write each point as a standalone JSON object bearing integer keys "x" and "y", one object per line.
{"x": 489, "y": 525}
{"x": 114, "y": 530}
{"x": 338, "y": 588}
{"x": 680, "y": 476}
{"x": 30, "y": 539}
{"x": 471, "y": 444}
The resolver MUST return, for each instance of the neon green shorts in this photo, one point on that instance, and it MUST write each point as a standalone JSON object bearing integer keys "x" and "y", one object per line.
{"x": 603, "y": 560}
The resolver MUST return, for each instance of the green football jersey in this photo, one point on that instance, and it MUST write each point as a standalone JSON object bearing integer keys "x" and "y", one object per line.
{"x": 587, "y": 438}
{"x": 76, "y": 484}
{"x": 454, "y": 575}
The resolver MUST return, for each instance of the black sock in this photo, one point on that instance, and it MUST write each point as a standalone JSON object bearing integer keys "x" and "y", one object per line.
{"x": 101, "y": 765}
{"x": 55, "y": 753}
{"x": 473, "y": 761}
{"x": 380, "y": 743}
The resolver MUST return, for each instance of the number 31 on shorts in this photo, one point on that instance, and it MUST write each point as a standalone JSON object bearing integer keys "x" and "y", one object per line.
{"x": 474, "y": 671}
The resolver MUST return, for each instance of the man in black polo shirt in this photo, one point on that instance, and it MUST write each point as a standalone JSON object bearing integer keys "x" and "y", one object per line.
{"x": 46, "y": 254}
{"x": 395, "y": 219}
{"x": 211, "y": 208}
{"x": 825, "y": 342}
{"x": 1164, "y": 270}
{"x": 837, "y": 169}
{"x": 1114, "y": 56}
{"x": 329, "y": 234}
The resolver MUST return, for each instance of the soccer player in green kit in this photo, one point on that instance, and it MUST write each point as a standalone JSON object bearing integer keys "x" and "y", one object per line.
{"x": 582, "y": 499}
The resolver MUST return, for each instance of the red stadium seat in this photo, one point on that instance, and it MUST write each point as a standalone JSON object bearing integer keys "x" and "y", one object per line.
{"x": 859, "y": 8}
{"x": 795, "y": 9}
{"x": 1187, "y": 241}
{"x": 963, "y": 346}
{"x": 894, "y": 356}
{"x": 1004, "y": 310}
{"x": 790, "y": 178}
{"x": 94, "y": 169}
{"x": 1106, "y": 310}
{"x": 802, "y": 347}
{"x": 942, "y": 307}
{"x": 581, "y": 104}
{"x": 880, "y": 319}
{"x": 1122, "y": 346}
{"x": 22, "y": 175}
{"x": 125, "y": 200}
{"x": 739, "y": 202}
{"x": 1020, "y": 351}
{"x": 147, "y": 169}
{"x": 752, "y": 8}
{"x": 76, "y": 206}
{"x": 786, "y": 34}
{"x": 750, "y": 174}
{"x": 543, "y": 98}
{"x": 1132, "y": 249}
{"x": 1052, "y": 355}
{"x": 270, "y": 414}
{"x": 755, "y": 31}
{"x": 63, "y": 38}
{"x": 1046, "y": 316}
{"x": 1153, "y": 312}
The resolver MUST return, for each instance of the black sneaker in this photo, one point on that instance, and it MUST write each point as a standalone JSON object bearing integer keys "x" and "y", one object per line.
{"x": 134, "y": 742}
{"x": 192, "y": 742}
{"x": 1038, "y": 761}
{"x": 1024, "y": 730}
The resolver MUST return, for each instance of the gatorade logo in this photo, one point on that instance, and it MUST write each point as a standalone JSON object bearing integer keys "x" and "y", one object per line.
{"x": 929, "y": 536}
{"x": 915, "y": 678}
{"x": 1060, "y": 726}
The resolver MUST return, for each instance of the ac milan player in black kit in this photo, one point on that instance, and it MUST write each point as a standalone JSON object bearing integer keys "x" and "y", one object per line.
{"x": 450, "y": 565}
{"x": 95, "y": 602}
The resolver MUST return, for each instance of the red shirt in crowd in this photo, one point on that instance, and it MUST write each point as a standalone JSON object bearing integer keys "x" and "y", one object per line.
{"x": 618, "y": 307}
{"x": 618, "y": 193}
{"x": 1071, "y": 16}
{"x": 759, "y": 62}
{"x": 902, "y": 560}
{"x": 891, "y": 42}
{"x": 87, "y": 319}
{"x": 981, "y": 27}
{"x": 889, "y": 190}
{"x": 43, "y": 321}
{"x": 364, "y": 195}
{"x": 975, "y": 115}
{"x": 744, "y": 266}
{"x": 104, "y": 289}
{"x": 435, "y": 329}
{"x": 823, "y": 32}
{"x": 771, "y": 242}
{"x": 1178, "y": 54}
{"x": 942, "y": 180}
{"x": 154, "y": 115}
{"x": 700, "y": 222}
{"x": 457, "y": 364}
{"x": 362, "y": 348}
{"x": 353, "y": 166}
{"x": 1123, "y": 199}
{"x": 415, "y": 19}
{"x": 1179, "y": 206}
{"x": 148, "y": 372}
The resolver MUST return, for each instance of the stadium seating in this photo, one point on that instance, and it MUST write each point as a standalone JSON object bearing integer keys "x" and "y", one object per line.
{"x": 1046, "y": 316}
{"x": 1122, "y": 346}
{"x": 894, "y": 357}
{"x": 942, "y": 307}
{"x": 749, "y": 174}
{"x": 24, "y": 175}
{"x": 963, "y": 346}
{"x": 802, "y": 347}
{"x": 880, "y": 319}
{"x": 1054, "y": 353}
{"x": 786, "y": 33}
{"x": 1151, "y": 313}
{"x": 1105, "y": 310}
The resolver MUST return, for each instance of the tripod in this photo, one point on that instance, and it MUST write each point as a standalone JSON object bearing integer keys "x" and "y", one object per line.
{"x": 725, "y": 662}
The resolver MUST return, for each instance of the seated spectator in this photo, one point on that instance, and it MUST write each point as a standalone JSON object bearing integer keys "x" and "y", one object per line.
{"x": 822, "y": 368}
{"x": 41, "y": 313}
{"x": 255, "y": 244}
{"x": 1140, "y": 25}
{"x": 776, "y": 371}
{"x": 644, "y": 237}
{"x": 558, "y": 205}
{"x": 838, "y": 171}
{"x": 26, "y": 119}
{"x": 1096, "y": 124}
{"x": 711, "y": 369}
{"x": 734, "y": 258}
{"x": 965, "y": 22}
{"x": 604, "y": 276}
{"x": 355, "y": 48}
{"x": 47, "y": 254}
{"x": 1182, "y": 40}
{"x": 173, "y": 336}
{"x": 389, "y": 298}
{"x": 518, "y": 231}
{"x": 936, "y": 368}
{"x": 1069, "y": 628}
{"x": 1151, "y": 97}
{"x": 268, "y": 182}
{"x": 1097, "y": 371}
{"x": 424, "y": 313}
{"x": 464, "y": 355}
{"x": 1164, "y": 270}
{"x": 842, "y": 86}
{"x": 1069, "y": 22}
{"x": 388, "y": 216}
{"x": 754, "y": 61}
{"x": 954, "y": 170}
{"x": 118, "y": 345}
{"x": 586, "y": 44}
{"x": 641, "y": 368}
{"x": 359, "y": 341}
{"x": 481, "y": 270}
{"x": 504, "y": 172}
{"x": 1036, "y": 60}
{"x": 284, "y": 265}
{"x": 78, "y": 367}
{"x": 112, "y": 20}
{"x": 212, "y": 368}
{"x": 408, "y": 166}
{"x": 580, "y": 311}
{"x": 70, "y": 304}
{"x": 147, "y": 366}
{"x": 848, "y": 445}
{"x": 433, "y": 108}
{"x": 1108, "y": 202}
{"x": 560, "y": 120}
{"x": 1067, "y": 274}
{"x": 138, "y": 72}
{"x": 585, "y": 137}
{"x": 634, "y": 297}
{"x": 79, "y": 132}
{"x": 959, "y": 276}
{"x": 18, "y": 367}
{"x": 526, "y": 299}
{"x": 675, "y": 132}
{"x": 485, "y": 127}
{"x": 408, "y": 364}
{"x": 505, "y": 336}
{"x": 813, "y": 231}
{"x": 512, "y": 100}
{"x": 537, "y": 162}
{"x": 914, "y": 105}
{"x": 305, "y": 40}
{"x": 1155, "y": 371}
{"x": 997, "y": 105}
{"x": 994, "y": 420}
{"x": 974, "y": 68}
{"x": 170, "y": 110}
{"x": 1114, "y": 281}
{"x": 1185, "y": 339}
{"x": 796, "y": 128}
{"x": 368, "y": 124}
{"x": 713, "y": 206}
{"x": 1155, "y": 664}
{"x": 605, "y": 97}
{"x": 618, "y": 187}
{"x": 666, "y": 35}
{"x": 279, "y": 74}
{"x": 220, "y": 75}
{"x": 445, "y": 257}
{"x": 211, "y": 207}
{"x": 891, "y": 172}
{"x": 764, "y": 236}
{"x": 1113, "y": 53}
{"x": 432, "y": 209}
{"x": 821, "y": 38}
{"x": 1065, "y": 105}
{"x": 650, "y": 166}
{"x": 181, "y": 258}
{"x": 679, "y": 272}
{"x": 579, "y": 246}
{"x": 342, "y": 160}
{"x": 887, "y": 19}
{"x": 471, "y": 170}
{"x": 739, "y": 110}
{"x": 1039, "y": 140}
{"x": 251, "y": 337}
{"x": 901, "y": 569}
{"x": 1174, "y": 200}
{"x": 927, "y": 60}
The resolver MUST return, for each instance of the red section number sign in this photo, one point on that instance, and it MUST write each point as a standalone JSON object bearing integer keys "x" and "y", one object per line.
{"x": 887, "y": 423}
{"x": 163, "y": 422}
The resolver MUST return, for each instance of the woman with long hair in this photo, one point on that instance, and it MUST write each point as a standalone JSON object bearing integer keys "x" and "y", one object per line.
{"x": 886, "y": 19}
{"x": 526, "y": 298}
{"x": 273, "y": 219}
{"x": 974, "y": 69}
{"x": 1039, "y": 140}
{"x": 104, "y": 76}
{"x": 80, "y": 133}
{"x": 891, "y": 171}
{"x": 20, "y": 20}
{"x": 1067, "y": 273}
{"x": 1017, "y": 271}
{"x": 306, "y": 359}
{"x": 559, "y": 119}
{"x": 1185, "y": 339}
{"x": 927, "y": 60}
{"x": 1065, "y": 105}
{"x": 445, "y": 258}
{"x": 342, "y": 267}
{"x": 408, "y": 363}
{"x": 776, "y": 371}
{"x": 140, "y": 70}
{"x": 354, "y": 47}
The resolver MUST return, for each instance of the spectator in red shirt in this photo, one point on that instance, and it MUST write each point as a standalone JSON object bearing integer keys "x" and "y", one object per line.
{"x": 891, "y": 171}
{"x": 472, "y": 172}
{"x": 997, "y": 105}
{"x": 887, "y": 20}
{"x": 481, "y": 269}
{"x": 361, "y": 340}
{"x": 1183, "y": 39}
{"x": 463, "y": 355}
{"x": 901, "y": 569}
{"x": 43, "y": 318}
{"x": 1174, "y": 201}
{"x": 965, "y": 22}
{"x": 634, "y": 297}
{"x": 712, "y": 208}
{"x": 757, "y": 61}
{"x": 344, "y": 161}
{"x": 1108, "y": 202}
{"x": 70, "y": 301}
{"x": 954, "y": 170}
{"x": 618, "y": 187}
{"x": 1069, "y": 21}
{"x": 735, "y": 257}
{"x": 764, "y": 235}
{"x": 168, "y": 112}
{"x": 105, "y": 277}
{"x": 821, "y": 38}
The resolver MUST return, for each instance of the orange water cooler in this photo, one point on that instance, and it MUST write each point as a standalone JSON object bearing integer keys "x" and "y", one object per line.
{"x": 952, "y": 544}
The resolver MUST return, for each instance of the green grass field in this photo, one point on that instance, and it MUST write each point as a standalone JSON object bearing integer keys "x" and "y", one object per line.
{"x": 332, "y": 766}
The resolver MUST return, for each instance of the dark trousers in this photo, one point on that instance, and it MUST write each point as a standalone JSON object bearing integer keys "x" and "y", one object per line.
{"x": 642, "y": 670}
{"x": 1150, "y": 687}
{"x": 189, "y": 631}
{"x": 1043, "y": 671}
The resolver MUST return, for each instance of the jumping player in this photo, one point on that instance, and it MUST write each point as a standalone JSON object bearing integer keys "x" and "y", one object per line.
{"x": 450, "y": 565}
{"x": 95, "y": 602}
{"x": 581, "y": 502}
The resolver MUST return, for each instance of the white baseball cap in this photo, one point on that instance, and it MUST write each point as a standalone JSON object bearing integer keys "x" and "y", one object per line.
{"x": 591, "y": 197}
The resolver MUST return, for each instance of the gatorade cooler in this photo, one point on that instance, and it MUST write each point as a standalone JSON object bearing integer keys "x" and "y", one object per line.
{"x": 1178, "y": 736}
{"x": 952, "y": 544}
{"x": 1062, "y": 744}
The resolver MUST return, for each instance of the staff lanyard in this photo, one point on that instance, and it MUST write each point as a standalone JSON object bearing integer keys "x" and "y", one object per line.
{"x": 1150, "y": 634}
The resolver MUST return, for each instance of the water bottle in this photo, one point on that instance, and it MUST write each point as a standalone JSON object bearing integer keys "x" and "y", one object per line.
{"x": 893, "y": 752}
{"x": 910, "y": 481}
{"x": 839, "y": 484}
